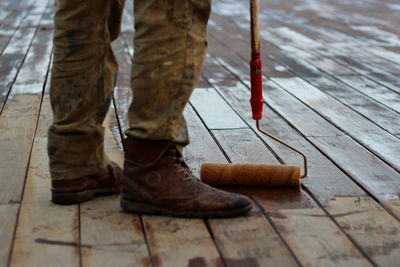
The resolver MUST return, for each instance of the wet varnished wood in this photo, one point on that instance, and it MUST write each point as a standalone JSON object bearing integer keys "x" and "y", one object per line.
{"x": 307, "y": 123}
{"x": 240, "y": 240}
{"x": 331, "y": 87}
{"x": 19, "y": 117}
{"x": 361, "y": 128}
{"x": 14, "y": 53}
{"x": 11, "y": 18}
{"x": 294, "y": 230}
{"x": 325, "y": 180}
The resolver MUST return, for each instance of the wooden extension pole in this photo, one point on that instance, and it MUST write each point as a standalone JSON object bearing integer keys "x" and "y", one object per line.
{"x": 255, "y": 29}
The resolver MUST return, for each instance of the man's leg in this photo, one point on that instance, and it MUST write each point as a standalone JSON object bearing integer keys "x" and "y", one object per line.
{"x": 170, "y": 44}
{"x": 83, "y": 73}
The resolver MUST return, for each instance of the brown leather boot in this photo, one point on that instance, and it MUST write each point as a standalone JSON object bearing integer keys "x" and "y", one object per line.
{"x": 106, "y": 181}
{"x": 156, "y": 180}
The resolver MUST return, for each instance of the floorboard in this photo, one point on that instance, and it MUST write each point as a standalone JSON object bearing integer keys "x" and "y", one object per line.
{"x": 331, "y": 89}
{"x": 47, "y": 234}
{"x": 19, "y": 117}
{"x": 8, "y": 218}
{"x": 232, "y": 235}
{"x": 314, "y": 127}
{"x": 109, "y": 236}
{"x": 323, "y": 246}
{"x": 325, "y": 180}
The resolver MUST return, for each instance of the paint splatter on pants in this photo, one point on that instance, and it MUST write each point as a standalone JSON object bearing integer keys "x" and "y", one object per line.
{"x": 170, "y": 43}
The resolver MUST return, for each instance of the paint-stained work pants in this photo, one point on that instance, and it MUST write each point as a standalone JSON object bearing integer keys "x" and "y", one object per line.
{"x": 170, "y": 43}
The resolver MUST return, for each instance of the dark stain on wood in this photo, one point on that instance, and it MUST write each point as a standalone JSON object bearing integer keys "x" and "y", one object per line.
{"x": 245, "y": 262}
{"x": 61, "y": 243}
{"x": 77, "y": 245}
{"x": 197, "y": 262}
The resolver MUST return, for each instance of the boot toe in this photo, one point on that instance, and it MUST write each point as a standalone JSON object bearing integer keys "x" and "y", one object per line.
{"x": 220, "y": 200}
{"x": 237, "y": 202}
{"x": 242, "y": 202}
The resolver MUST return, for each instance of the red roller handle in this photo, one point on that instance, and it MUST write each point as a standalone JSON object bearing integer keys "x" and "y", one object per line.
{"x": 256, "y": 99}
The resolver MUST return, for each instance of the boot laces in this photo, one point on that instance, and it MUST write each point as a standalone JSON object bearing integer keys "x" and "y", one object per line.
{"x": 182, "y": 167}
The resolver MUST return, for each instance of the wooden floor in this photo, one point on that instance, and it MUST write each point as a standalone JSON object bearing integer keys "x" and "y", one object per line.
{"x": 332, "y": 89}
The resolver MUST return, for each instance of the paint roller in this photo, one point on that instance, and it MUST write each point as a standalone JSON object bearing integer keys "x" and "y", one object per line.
{"x": 255, "y": 174}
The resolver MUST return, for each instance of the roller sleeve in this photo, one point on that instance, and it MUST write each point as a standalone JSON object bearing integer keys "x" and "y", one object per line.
{"x": 250, "y": 174}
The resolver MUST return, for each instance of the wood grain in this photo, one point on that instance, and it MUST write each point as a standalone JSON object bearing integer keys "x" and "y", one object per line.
{"x": 12, "y": 19}
{"x": 214, "y": 110}
{"x": 312, "y": 127}
{"x": 371, "y": 226}
{"x": 325, "y": 179}
{"x": 241, "y": 240}
{"x": 360, "y": 128}
{"x": 170, "y": 239}
{"x": 8, "y": 219}
{"x": 180, "y": 242}
{"x": 47, "y": 234}
{"x": 331, "y": 86}
{"x": 15, "y": 52}
{"x": 292, "y": 217}
{"x": 19, "y": 117}
{"x": 109, "y": 236}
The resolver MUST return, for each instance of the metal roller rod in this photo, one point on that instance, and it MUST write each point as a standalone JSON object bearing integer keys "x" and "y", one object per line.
{"x": 287, "y": 145}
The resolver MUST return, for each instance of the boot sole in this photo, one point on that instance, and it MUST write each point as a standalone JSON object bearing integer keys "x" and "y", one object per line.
{"x": 136, "y": 207}
{"x": 78, "y": 197}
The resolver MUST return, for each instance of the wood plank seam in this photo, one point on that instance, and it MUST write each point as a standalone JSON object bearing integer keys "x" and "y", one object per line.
{"x": 144, "y": 231}
{"x": 347, "y": 84}
{"x": 29, "y": 160}
{"x": 325, "y": 117}
{"x": 80, "y": 254}
{"x": 359, "y": 247}
{"x": 347, "y": 66}
{"x": 23, "y": 60}
{"x": 260, "y": 206}
{"x": 151, "y": 255}
{"x": 309, "y": 51}
{"x": 317, "y": 52}
{"x": 294, "y": 72}
{"x": 211, "y": 232}
{"x": 326, "y": 75}
{"x": 391, "y": 213}
{"x": 226, "y": 67}
{"x": 258, "y": 134}
{"x": 347, "y": 34}
{"x": 46, "y": 80}
{"x": 210, "y": 132}
{"x": 43, "y": 86}
{"x": 251, "y": 193}
{"x": 312, "y": 143}
{"x": 342, "y": 129}
{"x": 16, "y": 29}
{"x": 152, "y": 262}
{"x": 268, "y": 218}
{"x": 223, "y": 258}
{"x": 224, "y": 261}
